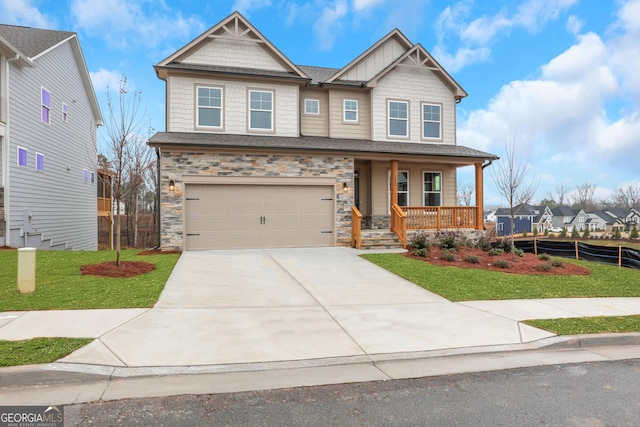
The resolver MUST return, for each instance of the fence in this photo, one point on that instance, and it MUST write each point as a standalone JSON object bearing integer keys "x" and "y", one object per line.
{"x": 620, "y": 256}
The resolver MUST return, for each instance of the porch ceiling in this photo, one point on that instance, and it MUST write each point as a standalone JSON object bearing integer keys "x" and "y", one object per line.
{"x": 355, "y": 147}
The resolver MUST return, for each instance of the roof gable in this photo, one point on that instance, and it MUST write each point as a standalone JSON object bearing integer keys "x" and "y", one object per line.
{"x": 244, "y": 45}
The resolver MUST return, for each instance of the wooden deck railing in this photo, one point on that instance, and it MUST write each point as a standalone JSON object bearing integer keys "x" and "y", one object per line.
{"x": 440, "y": 217}
{"x": 399, "y": 223}
{"x": 356, "y": 228}
{"x": 104, "y": 206}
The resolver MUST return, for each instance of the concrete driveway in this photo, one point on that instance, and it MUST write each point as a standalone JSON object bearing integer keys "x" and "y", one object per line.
{"x": 252, "y": 306}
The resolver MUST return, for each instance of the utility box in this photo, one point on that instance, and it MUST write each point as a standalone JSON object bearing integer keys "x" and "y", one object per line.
{"x": 26, "y": 270}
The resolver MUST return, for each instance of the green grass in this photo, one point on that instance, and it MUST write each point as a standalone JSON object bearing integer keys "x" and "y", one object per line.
{"x": 588, "y": 325}
{"x": 38, "y": 350}
{"x": 468, "y": 284}
{"x": 59, "y": 284}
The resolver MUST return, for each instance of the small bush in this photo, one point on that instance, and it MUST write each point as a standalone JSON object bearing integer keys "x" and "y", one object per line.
{"x": 545, "y": 266}
{"x": 574, "y": 233}
{"x": 546, "y": 232}
{"x": 447, "y": 240}
{"x": 519, "y": 252}
{"x": 556, "y": 263}
{"x": 544, "y": 257}
{"x": 586, "y": 233}
{"x": 501, "y": 263}
{"x": 524, "y": 233}
{"x": 563, "y": 233}
{"x": 634, "y": 233}
{"x": 484, "y": 244}
{"x": 447, "y": 256}
{"x": 421, "y": 252}
{"x": 535, "y": 230}
{"x": 472, "y": 259}
{"x": 496, "y": 251}
{"x": 505, "y": 244}
{"x": 420, "y": 240}
{"x": 617, "y": 235}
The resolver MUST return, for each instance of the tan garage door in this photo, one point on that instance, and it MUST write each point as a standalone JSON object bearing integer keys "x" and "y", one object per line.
{"x": 220, "y": 216}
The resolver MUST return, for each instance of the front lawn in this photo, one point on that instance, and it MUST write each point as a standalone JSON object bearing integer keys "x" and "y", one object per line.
{"x": 38, "y": 350}
{"x": 59, "y": 284}
{"x": 465, "y": 284}
{"x": 588, "y": 325}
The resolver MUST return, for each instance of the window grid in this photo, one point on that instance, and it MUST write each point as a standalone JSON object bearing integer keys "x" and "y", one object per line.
{"x": 398, "y": 118}
{"x": 431, "y": 121}
{"x": 312, "y": 107}
{"x": 350, "y": 110}
{"x": 432, "y": 187}
{"x": 45, "y": 101}
{"x": 261, "y": 110}
{"x": 209, "y": 107}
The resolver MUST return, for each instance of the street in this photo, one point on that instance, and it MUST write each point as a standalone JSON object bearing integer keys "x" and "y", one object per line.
{"x": 587, "y": 394}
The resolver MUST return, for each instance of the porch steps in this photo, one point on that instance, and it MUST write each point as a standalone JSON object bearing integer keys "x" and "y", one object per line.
{"x": 380, "y": 239}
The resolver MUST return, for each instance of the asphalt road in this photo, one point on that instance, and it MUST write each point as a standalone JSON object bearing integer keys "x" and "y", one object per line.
{"x": 588, "y": 394}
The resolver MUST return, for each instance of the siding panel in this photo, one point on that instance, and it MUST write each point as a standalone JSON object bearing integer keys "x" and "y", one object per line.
{"x": 339, "y": 128}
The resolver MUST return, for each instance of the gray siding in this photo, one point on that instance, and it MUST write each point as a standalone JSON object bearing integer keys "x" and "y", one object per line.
{"x": 63, "y": 206}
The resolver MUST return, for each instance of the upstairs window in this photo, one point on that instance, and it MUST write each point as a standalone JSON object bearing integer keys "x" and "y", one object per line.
{"x": 398, "y": 118}
{"x": 312, "y": 107}
{"x": 350, "y": 110}
{"x": 209, "y": 107}
{"x": 22, "y": 157}
{"x": 432, "y": 188}
{"x": 260, "y": 110}
{"x": 45, "y": 100}
{"x": 65, "y": 112}
{"x": 85, "y": 175}
{"x": 39, "y": 161}
{"x": 431, "y": 121}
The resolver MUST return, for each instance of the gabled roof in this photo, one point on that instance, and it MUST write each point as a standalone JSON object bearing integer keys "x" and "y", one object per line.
{"x": 618, "y": 212}
{"x": 29, "y": 44}
{"x": 564, "y": 211}
{"x": 604, "y": 216}
{"x": 233, "y": 26}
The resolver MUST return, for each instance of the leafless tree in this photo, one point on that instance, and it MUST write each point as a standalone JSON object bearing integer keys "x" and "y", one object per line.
{"x": 510, "y": 178}
{"x": 560, "y": 196}
{"x": 626, "y": 196}
{"x": 125, "y": 146}
{"x": 465, "y": 194}
{"x": 583, "y": 196}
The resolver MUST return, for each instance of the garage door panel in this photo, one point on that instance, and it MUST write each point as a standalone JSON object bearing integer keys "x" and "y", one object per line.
{"x": 255, "y": 216}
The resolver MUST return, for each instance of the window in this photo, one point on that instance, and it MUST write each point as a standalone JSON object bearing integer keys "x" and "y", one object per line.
{"x": 39, "y": 161}
{"x": 22, "y": 156}
{"x": 312, "y": 106}
{"x": 398, "y": 118}
{"x": 93, "y": 177}
{"x": 403, "y": 188}
{"x": 209, "y": 107}
{"x": 45, "y": 100}
{"x": 65, "y": 112}
{"x": 431, "y": 121}
{"x": 350, "y": 110}
{"x": 85, "y": 175}
{"x": 260, "y": 110}
{"x": 432, "y": 182}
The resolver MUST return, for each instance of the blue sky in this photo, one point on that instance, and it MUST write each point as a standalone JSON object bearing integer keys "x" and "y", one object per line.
{"x": 560, "y": 77}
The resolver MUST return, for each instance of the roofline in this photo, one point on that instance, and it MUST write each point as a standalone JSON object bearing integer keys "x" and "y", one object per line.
{"x": 20, "y": 58}
{"x": 168, "y": 67}
{"x": 86, "y": 78}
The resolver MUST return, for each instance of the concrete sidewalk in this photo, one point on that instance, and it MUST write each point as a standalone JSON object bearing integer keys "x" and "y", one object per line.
{"x": 269, "y": 310}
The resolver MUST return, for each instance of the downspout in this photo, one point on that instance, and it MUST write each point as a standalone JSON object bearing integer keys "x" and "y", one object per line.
{"x": 157, "y": 215}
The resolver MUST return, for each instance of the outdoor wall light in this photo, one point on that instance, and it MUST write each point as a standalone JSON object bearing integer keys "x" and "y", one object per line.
{"x": 345, "y": 187}
{"x": 172, "y": 185}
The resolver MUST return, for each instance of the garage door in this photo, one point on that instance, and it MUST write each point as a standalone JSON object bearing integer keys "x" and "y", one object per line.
{"x": 220, "y": 216}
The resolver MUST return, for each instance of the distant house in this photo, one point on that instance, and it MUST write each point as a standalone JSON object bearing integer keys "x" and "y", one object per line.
{"x": 48, "y": 133}
{"x": 567, "y": 217}
{"x": 625, "y": 219}
{"x": 527, "y": 218}
{"x": 600, "y": 221}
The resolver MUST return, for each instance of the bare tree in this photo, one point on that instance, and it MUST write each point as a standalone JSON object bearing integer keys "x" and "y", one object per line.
{"x": 626, "y": 197}
{"x": 561, "y": 195}
{"x": 583, "y": 196}
{"x": 510, "y": 177}
{"x": 465, "y": 194}
{"x": 125, "y": 145}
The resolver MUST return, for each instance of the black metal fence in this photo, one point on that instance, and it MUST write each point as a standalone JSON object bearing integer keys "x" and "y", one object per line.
{"x": 621, "y": 256}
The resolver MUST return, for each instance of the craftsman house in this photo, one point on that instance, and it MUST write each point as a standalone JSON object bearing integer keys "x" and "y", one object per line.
{"x": 261, "y": 152}
{"x": 48, "y": 125}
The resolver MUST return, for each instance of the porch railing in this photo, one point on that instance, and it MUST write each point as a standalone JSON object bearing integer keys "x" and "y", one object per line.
{"x": 104, "y": 206}
{"x": 440, "y": 217}
{"x": 399, "y": 223}
{"x": 356, "y": 228}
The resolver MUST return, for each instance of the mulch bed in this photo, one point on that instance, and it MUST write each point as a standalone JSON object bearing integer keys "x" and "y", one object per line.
{"x": 109, "y": 269}
{"x": 158, "y": 252}
{"x": 521, "y": 265}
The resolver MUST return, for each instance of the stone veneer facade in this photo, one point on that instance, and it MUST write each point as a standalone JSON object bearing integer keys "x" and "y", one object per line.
{"x": 176, "y": 164}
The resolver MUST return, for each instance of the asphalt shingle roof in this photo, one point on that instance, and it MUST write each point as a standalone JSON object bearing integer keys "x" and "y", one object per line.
{"x": 32, "y": 41}
{"x": 313, "y": 143}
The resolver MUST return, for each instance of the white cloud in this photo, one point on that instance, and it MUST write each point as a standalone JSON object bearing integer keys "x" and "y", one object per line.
{"x": 243, "y": 6}
{"x": 359, "y": 5}
{"x": 102, "y": 79}
{"x": 328, "y": 27}
{"x": 574, "y": 25}
{"x": 462, "y": 58}
{"x": 122, "y": 23}
{"x": 22, "y": 12}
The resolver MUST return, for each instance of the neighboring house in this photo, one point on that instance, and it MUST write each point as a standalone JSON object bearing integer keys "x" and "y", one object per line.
{"x": 261, "y": 152}
{"x": 567, "y": 217}
{"x": 600, "y": 221}
{"x": 625, "y": 219}
{"x": 48, "y": 122}
{"x": 527, "y": 218}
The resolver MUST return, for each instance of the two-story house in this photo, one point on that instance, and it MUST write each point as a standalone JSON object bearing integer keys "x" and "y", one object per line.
{"x": 527, "y": 218}
{"x": 48, "y": 136}
{"x": 261, "y": 152}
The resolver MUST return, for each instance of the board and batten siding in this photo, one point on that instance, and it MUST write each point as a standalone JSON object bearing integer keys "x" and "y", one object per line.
{"x": 63, "y": 206}
{"x": 376, "y": 61}
{"x": 181, "y": 102}
{"x": 415, "y": 85}
{"x": 338, "y": 128}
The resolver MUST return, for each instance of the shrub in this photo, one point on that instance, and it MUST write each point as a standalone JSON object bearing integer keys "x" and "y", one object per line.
{"x": 518, "y": 252}
{"x": 484, "y": 244}
{"x": 505, "y": 244}
{"x": 421, "y": 252}
{"x": 420, "y": 241}
{"x": 496, "y": 251}
{"x": 501, "y": 263}
{"x": 524, "y": 233}
{"x": 544, "y": 257}
{"x": 616, "y": 234}
{"x": 546, "y": 232}
{"x": 556, "y": 263}
{"x": 472, "y": 259}
{"x": 634, "y": 233}
{"x": 535, "y": 230}
{"x": 447, "y": 239}
{"x": 447, "y": 256}
{"x": 545, "y": 266}
{"x": 574, "y": 232}
{"x": 586, "y": 233}
{"x": 563, "y": 233}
